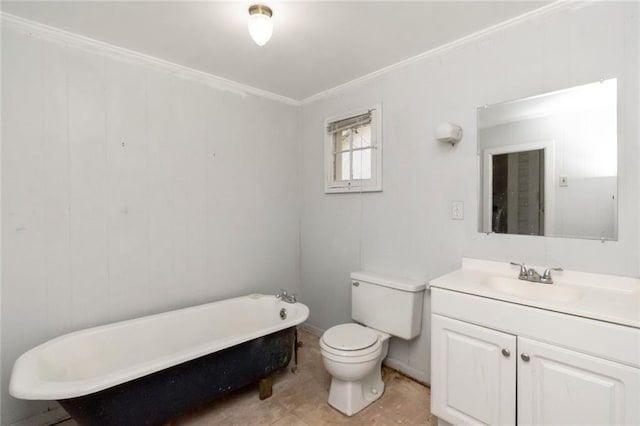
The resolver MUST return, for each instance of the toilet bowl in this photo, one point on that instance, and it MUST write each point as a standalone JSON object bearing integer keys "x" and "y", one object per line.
{"x": 353, "y": 355}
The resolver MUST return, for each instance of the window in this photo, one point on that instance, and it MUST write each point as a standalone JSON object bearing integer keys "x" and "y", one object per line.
{"x": 353, "y": 148}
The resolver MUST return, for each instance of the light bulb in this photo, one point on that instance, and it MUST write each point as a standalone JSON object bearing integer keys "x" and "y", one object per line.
{"x": 260, "y": 25}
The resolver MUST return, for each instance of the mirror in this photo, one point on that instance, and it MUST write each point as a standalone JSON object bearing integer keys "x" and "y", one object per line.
{"x": 548, "y": 164}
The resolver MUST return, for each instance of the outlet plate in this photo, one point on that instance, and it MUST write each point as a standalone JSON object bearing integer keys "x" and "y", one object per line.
{"x": 457, "y": 210}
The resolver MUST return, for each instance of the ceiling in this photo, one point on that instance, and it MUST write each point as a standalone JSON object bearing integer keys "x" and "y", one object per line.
{"x": 316, "y": 45}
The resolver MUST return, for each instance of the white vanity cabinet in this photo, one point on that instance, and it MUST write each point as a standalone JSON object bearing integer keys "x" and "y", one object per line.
{"x": 501, "y": 363}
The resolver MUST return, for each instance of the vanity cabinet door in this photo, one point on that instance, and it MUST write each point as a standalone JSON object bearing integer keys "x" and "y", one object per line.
{"x": 473, "y": 373}
{"x": 561, "y": 386}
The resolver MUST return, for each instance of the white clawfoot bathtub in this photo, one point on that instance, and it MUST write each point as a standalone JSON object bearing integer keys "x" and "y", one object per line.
{"x": 89, "y": 361}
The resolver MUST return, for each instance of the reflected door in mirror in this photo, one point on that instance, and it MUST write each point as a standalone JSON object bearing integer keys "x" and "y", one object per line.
{"x": 518, "y": 193}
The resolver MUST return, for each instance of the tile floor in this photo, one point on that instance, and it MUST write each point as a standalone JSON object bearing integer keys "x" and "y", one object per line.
{"x": 301, "y": 399}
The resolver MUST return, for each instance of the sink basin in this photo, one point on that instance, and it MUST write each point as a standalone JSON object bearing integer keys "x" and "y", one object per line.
{"x": 531, "y": 290}
{"x": 604, "y": 297}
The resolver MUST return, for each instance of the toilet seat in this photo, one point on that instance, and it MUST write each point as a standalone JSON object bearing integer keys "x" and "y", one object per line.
{"x": 349, "y": 337}
{"x": 351, "y": 343}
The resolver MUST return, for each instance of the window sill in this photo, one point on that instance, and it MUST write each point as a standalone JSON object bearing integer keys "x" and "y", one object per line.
{"x": 352, "y": 189}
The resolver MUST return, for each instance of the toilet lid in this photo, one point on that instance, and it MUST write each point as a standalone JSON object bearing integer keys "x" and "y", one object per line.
{"x": 349, "y": 337}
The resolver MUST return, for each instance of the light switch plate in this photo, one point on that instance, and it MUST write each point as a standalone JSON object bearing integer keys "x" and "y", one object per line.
{"x": 457, "y": 210}
{"x": 564, "y": 180}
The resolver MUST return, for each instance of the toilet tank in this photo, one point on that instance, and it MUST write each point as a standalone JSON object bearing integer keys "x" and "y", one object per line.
{"x": 386, "y": 303}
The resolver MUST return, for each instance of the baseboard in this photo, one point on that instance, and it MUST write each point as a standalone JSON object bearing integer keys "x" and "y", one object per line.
{"x": 316, "y": 331}
{"x": 44, "y": 419}
{"x": 414, "y": 373}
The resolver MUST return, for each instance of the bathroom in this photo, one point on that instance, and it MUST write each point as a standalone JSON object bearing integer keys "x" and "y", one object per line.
{"x": 140, "y": 176}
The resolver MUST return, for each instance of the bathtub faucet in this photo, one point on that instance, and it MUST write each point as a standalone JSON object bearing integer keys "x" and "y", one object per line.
{"x": 289, "y": 298}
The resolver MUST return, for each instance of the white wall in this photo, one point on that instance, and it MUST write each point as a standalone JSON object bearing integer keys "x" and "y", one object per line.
{"x": 406, "y": 230}
{"x": 199, "y": 204}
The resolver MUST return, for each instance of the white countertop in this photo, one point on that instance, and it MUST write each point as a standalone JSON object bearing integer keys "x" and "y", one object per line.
{"x": 610, "y": 298}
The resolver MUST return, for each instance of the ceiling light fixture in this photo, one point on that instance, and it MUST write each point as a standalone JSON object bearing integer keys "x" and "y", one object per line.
{"x": 260, "y": 25}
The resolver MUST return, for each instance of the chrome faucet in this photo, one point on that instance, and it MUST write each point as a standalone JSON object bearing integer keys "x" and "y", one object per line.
{"x": 532, "y": 275}
{"x": 289, "y": 298}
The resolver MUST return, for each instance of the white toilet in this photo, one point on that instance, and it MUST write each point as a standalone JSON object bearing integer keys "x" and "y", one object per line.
{"x": 353, "y": 353}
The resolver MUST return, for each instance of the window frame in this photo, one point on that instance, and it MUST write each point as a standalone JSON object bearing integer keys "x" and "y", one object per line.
{"x": 332, "y": 186}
